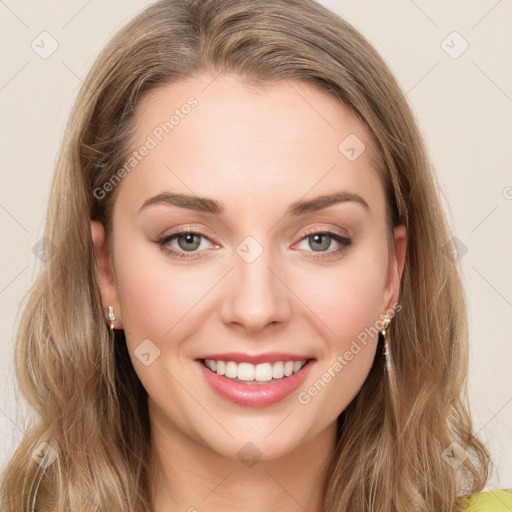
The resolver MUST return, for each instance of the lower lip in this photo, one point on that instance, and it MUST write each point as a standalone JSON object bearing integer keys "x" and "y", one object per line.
{"x": 255, "y": 395}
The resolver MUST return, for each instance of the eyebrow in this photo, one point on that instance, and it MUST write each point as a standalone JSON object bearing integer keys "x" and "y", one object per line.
{"x": 301, "y": 207}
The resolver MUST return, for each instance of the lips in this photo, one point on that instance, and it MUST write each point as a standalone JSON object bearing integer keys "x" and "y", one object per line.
{"x": 254, "y": 394}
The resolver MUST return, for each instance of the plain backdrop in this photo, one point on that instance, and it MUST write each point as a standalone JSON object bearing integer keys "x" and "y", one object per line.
{"x": 453, "y": 62}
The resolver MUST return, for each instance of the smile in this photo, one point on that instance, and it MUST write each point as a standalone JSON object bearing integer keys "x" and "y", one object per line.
{"x": 260, "y": 373}
{"x": 254, "y": 385}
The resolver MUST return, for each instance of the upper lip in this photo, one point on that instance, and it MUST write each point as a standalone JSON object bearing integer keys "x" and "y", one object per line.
{"x": 268, "y": 357}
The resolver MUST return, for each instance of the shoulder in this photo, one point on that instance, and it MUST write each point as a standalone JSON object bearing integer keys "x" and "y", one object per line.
{"x": 491, "y": 501}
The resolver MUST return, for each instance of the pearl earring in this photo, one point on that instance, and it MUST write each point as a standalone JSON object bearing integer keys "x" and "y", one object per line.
{"x": 385, "y": 323}
{"x": 111, "y": 317}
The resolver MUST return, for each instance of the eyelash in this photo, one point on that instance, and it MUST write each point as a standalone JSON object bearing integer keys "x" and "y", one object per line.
{"x": 345, "y": 242}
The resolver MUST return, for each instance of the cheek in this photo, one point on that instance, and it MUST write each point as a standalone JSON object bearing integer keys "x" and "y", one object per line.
{"x": 348, "y": 303}
{"x": 158, "y": 299}
{"x": 358, "y": 302}
{"x": 346, "y": 298}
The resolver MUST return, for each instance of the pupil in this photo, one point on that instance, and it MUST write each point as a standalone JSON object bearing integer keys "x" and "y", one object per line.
{"x": 317, "y": 238}
{"x": 189, "y": 239}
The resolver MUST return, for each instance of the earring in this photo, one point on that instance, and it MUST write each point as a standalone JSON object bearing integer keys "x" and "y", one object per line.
{"x": 111, "y": 317}
{"x": 385, "y": 323}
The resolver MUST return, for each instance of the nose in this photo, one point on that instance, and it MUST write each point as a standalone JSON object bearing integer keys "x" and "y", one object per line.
{"x": 255, "y": 295}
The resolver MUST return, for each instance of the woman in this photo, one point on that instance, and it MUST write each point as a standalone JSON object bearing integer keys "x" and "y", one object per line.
{"x": 250, "y": 304}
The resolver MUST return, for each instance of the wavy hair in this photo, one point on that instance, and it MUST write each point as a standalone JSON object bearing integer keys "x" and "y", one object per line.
{"x": 91, "y": 408}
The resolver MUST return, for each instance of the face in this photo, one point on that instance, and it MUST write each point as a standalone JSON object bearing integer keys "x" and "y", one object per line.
{"x": 247, "y": 268}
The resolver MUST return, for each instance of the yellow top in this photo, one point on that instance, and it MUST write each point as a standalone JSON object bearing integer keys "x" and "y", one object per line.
{"x": 491, "y": 501}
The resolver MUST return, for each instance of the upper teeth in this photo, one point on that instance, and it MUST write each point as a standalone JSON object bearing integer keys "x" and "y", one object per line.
{"x": 263, "y": 372}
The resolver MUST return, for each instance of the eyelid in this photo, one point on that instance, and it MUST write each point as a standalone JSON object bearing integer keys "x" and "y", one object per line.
{"x": 189, "y": 229}
{"x": 319, "y": 229}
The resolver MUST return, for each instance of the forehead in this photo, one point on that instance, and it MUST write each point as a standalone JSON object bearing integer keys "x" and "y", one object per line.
{"x": 220, "y": 136}
{"x": 227, "y": 105}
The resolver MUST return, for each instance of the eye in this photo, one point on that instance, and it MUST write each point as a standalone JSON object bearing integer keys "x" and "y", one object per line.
{"x": 188, "y": 243}
{"x": 322, "y": 241}
{"x": 183, "y": 244}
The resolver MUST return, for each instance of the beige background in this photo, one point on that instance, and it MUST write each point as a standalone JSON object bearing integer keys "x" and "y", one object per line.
{"x": 463, "y": 104}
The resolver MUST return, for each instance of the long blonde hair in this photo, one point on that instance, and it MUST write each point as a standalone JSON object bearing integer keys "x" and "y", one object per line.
{"x": 91, "y": 407}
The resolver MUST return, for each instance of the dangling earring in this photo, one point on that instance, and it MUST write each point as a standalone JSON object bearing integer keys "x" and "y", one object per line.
{"x": 385, "y": 323}
{"x": 111, "y": 317}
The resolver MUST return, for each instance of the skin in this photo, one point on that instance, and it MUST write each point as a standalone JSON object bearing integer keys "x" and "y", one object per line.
{"x": 255, "y": 150}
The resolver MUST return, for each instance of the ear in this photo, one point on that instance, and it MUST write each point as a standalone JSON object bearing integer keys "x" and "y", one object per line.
{"x": 105, "y": 273}
{"x": 396, "y": 268}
